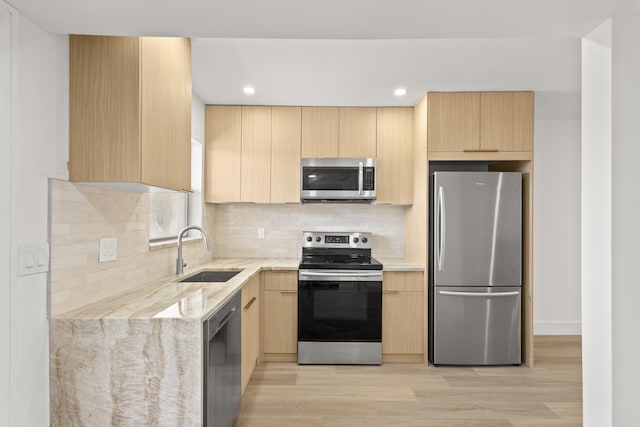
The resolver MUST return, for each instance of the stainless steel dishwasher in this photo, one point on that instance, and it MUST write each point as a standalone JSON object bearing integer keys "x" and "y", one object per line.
{"x": 221, "y": 376}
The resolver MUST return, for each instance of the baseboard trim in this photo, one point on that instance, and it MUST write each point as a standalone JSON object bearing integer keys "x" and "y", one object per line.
{"x": 557, "y": 328}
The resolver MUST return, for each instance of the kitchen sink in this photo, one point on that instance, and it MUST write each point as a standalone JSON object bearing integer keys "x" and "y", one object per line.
{"x": 211, "y": 276}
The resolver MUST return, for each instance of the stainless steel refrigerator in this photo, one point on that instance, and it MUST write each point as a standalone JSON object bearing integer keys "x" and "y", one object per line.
{"x": 475, "y": 270}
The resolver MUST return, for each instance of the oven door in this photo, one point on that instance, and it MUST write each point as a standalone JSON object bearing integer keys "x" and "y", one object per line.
{"x": 340, "y": 306}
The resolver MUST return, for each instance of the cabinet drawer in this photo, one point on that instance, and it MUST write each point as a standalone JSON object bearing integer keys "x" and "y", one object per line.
{"x": 280, "y": 280}
{"x": 402, "y": 281}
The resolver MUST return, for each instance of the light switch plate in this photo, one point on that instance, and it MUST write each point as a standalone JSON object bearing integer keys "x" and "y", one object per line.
{"x": 108, "y": 249}
{"x": 260, "y": 233}
{"x": 33, "y": 258}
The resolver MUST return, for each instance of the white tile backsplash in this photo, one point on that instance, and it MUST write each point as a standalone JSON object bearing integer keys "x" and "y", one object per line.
{"x": 80, "y": 215}
{"x": 235, "y": 229}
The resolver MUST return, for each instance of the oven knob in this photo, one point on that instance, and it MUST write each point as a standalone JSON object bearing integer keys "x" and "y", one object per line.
{"x": 318, "y": 239}
{"x": 364, "y": 240}
{"x": 355, "y": 240}
{"x": 309, "y": 238}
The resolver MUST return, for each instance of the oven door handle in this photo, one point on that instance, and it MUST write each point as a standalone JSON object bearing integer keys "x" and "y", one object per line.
{"x": 360, "y": 276}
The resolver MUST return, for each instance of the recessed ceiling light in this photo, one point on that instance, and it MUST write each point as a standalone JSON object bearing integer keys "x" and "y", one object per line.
{"x": 400, "y": 91}
{"x": 249, "y": 90}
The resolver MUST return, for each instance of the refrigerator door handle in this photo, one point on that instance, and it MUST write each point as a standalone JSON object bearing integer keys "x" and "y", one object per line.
{"x": 480, "y": 294}
{"x": 442, "y": 228}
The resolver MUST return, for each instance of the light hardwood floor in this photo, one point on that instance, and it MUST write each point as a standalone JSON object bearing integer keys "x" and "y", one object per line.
{"x": 550, "y": 394}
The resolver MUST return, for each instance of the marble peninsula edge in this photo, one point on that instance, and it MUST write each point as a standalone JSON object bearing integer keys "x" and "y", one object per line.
{"x": 136, "y": 359}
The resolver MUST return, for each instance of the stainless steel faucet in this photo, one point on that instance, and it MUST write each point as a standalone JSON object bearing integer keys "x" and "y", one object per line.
{"x": 180, "y": 264}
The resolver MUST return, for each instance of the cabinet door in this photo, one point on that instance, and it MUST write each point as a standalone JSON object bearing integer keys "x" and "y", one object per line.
{"x": 285, "y": 154}
{"x": 453, "y": 121}
{"x": 320, "y": 131}
{"x": 403, "y": 313}
{"x": 256, "y": 155}
{"x": 395, "y": 155}
{"x": 104, "y": 115}
{"x": 166, "y": 112}
{"x": 250, "y": 329}
{"x": 280, "y": 321}
{"x": 357, "y": 132}
{"x": 506, "y": 122}
{"x": 223, "y": 132}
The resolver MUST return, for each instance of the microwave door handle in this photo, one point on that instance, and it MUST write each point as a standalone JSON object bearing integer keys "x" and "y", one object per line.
{"x": 360, "y": 179}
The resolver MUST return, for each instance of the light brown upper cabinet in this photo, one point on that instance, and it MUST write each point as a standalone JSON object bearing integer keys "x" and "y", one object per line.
{"x": 480, "y": 122}
{"x": 320, "y": 131}
{"x": 285, "y": 154}
{"x": 506, "y": 121}
{"x": 130, "y": 110}
{"x": 453, "y": 122}
{"x": 395, "y": 155}
{"x": 223, "y": 149}
{"x": 255, "y": 181}
{"x": 357, "y": 132}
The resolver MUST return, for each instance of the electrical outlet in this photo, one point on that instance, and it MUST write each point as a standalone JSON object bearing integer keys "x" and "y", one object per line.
{"x": 261, "y": 233}
{"x": 108, "y": 249}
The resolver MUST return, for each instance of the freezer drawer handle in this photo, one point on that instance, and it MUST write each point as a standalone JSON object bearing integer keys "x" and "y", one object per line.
{"x": 480, "y": 294}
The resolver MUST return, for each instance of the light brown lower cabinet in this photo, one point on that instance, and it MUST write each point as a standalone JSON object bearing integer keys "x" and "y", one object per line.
{"x": 280, "y": 316}
{"x": 250, "y": 329}
{"x": 403, "y": 317}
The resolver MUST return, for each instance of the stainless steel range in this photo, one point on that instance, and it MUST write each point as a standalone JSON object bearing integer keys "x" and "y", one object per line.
{"x": 339, "y": 300}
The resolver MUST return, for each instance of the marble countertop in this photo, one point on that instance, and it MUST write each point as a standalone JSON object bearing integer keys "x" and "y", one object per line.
{"x": 168, "y": 298}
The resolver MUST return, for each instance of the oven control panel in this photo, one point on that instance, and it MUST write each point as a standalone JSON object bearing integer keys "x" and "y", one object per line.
{"x": 336, "y": 239}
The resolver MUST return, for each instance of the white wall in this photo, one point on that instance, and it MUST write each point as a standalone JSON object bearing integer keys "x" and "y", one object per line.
{"x": 5, "y": 214}
{"x": 557, "y": 214}
{"x": 39, "y": 151}
{"x": 596, "y": 226}
{"x": 625, "y": 223}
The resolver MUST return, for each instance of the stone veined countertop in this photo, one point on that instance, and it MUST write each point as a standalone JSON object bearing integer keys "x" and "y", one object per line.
{"x": 168, "y": 298}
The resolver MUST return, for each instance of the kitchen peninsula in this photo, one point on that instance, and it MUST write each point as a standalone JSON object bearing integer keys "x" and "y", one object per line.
{"x": 136, "y": 358}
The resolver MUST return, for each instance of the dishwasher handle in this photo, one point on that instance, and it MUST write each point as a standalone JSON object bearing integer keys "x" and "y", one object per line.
{"x": 225, "y": 319}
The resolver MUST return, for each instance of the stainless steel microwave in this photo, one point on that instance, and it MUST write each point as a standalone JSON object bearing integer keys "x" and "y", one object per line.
{"x": 338, "y": 180}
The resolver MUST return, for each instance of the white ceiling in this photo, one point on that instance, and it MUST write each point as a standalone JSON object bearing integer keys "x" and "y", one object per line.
{"x": 351, "y": 52}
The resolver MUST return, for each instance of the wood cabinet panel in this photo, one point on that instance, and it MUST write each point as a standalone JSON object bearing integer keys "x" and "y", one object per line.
{"x": 166, "y": 112}
{"x": 223, "y": 149}
{"x": 394, "y": 155}
{"x": 104, "y": 114}
{"x": 130, "y": 110}
{"x": 357, "y": 132}
{"x": 280, "y": 321}
{"x": 506, "y": 121}
{"x": 403, "y": 306}
{"x": 280, "y": 280}
{"x": 453, "y": 122}
{"x": 403, "y": 281}
{"x": 320, "y": 131}
{"x": 255, "y": 180}
{"x": 285, "y": 154}
{"x": 250, "y": 329}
